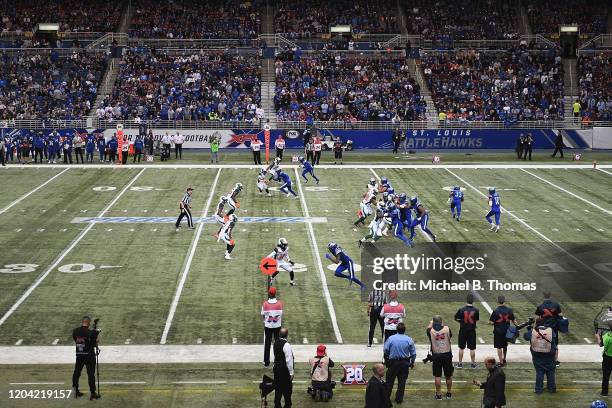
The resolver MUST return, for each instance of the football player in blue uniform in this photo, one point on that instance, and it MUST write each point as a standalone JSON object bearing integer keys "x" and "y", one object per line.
{"x": 285, "y": 180}
{"x": 404, "y": 208}
{"x": 397, "y": 225}
{"x": 345, "y": 263}
{"x": 421, "y": 217}
{"x": 308, "y": 169}
{"x": 384, "y": 185}
{"x": 456, "y": 198}
{"x": 495, "y": 203}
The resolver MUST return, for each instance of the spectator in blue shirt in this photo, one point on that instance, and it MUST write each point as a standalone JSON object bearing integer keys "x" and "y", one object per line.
{"x": 400, "y": 353}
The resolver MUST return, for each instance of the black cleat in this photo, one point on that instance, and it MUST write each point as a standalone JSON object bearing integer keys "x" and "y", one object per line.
{"x": 77, "y": 394}
{"x": 94, "y": 396}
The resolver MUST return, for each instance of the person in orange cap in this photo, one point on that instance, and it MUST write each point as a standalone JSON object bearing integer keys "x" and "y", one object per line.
{"x": 320, "y": 375}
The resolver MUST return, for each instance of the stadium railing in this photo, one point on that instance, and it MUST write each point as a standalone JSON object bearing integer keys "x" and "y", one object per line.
{"x": 92, "y": 122}
{"x": 602, "y": 42}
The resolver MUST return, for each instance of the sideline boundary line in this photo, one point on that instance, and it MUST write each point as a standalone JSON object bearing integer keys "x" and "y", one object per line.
{"x": 26, "y": 195}
{"x": 607, "y": 172}
{"x": 65, "y": 252}
{"x": 189, "y": 259}
{"x": 484, "y": 303}
{"x": 317, "y": 256}
{"x": 568, "y": 192}
{"x": 535, "y": 231}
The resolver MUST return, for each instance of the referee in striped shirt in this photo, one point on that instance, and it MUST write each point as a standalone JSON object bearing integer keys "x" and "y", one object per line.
{"x": 185, "y": 207}
{"x": 376, "y": 301}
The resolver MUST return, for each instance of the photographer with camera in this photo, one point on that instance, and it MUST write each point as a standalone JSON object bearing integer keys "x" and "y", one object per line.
{"x": 322, "y": 386}
{"x": 441, "y": 355}
{"x": 550, "y": 312}
{"x": 543, "y": 345}
{"x": 400, "y": 353}
{"x": 495, "y": 385}
{"x": 86, "y": 341}
{"x": 501, "y": 318}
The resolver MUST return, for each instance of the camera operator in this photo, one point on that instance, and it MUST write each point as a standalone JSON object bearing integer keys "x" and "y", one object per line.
{"x": 283, "y": 370}
{"x": 320, "y": 375}
{"x": 501, "y": 318}
{"x": 400, "y": 353}
{"x": 86, "y": 341}
{"x": 550, "y": 312}
{"x": 495, "y": 385}
{"x": 604, "y": 339}
{"x": 441, "y": 355}
{"x": 543, "y": 344}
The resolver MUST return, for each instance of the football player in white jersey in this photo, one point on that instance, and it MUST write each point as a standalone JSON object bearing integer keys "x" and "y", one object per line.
{"x": 281, "y": 255}
{"x": 262, "y": 183}
{"x": 365, "y": 207}
{"x": 225, "y": 235}
{"x": 219, "y": 216}
{"x": 232, "y": 198}
{"x": 274, "y": 169}
{"x": 375, "y": 228}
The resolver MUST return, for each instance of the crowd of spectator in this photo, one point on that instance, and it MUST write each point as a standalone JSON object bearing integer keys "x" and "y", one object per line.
{"x": 47, "y": 85}
{"x": 595, "y": 78}
{"x": 178, "y": 19}
{"x": 448, "y": 20}
{"x": 545, "y": 16}
{"x": 72, "y": 15}
{"x": 513, "y": 85}
{"x": 212, "y": 86}
{"x": 307, "y": 18}
{"x": 328, "y": 87}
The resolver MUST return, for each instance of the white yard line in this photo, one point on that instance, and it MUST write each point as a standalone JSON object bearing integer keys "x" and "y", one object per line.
{"x": 476, "y": 294}
{"x": 66, "y": 251}
{"x": 37, "y": 383}
{"x": 607, "y": 172}
{"x": 568, "y": 192}
{"x": 534, "y": 230}
{"x": 192, "y": 249}
{"x": 201, "y": 382}
{"x": 26, "y": 195}
{"x": 317, "y": 257}
{"x": 326, "y": 166}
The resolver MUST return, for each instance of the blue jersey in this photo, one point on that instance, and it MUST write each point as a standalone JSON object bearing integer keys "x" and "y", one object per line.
{"x": 113, "y": 145}
{"x": 284, "y": 177}
{"x": 307, "y": 166}
{"x": 457, "y": 196}
{"x": 495, "y": 202}
{"x": 340, "y": 255}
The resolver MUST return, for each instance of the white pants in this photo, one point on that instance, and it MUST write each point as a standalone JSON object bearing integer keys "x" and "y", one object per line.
{"x": 284, "y": 265}
{"x": 366, "y": 209}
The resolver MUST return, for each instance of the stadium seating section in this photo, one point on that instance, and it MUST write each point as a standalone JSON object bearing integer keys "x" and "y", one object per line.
{"x": 595, "y": 77}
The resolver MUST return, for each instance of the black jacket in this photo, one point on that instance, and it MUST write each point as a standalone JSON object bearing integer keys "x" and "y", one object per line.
{"x": 377, "y": 394}
{"x": 495, "y": 388}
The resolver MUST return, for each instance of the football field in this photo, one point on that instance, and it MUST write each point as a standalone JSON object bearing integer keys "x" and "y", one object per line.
{"x": 101, "y": 241}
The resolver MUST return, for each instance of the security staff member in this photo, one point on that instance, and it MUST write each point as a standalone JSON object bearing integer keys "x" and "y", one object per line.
{"x": 393, "y": 313}
{"x": 543, "y": 344}
{"x": 138, "y": 147}
{"x": 528, "y": 146}
{"x": 283, "y": 370}
{"x": 396, "y": 138}
{"x": 272, "y": 312}
{"x": 86, "y": 341}
{"x": 376, "y": 301}
{"x": 401, "y": 353}
{"x": 558, "y": 146}
{"x": 167, "y": 142}
{"x": 178, "y": 146}
{"x": 185, "y": 207}
{"x": 317, "y": 146}
{"x": 501, "y": 318}
{"x": 441, "y": 355}
{"x": 550, "y": 312}
{"x": 605, "y": 340}
{"x": 520, "y": 143}
{"x": 495, "y": 385}
{"x": 467, "y": 317}
{"x": 256, "y": 149}
{"x": 376, "y": 395}
{"x": 279, "y": 145}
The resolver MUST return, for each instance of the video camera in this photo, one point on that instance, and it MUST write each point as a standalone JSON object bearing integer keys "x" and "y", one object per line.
{"x": 322, "y": 394}
{"x": 513, "y": 331}
{"x": 428, "y": 359}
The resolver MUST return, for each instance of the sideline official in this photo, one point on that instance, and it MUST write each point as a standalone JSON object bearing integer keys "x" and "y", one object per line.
{"x": 185, "y": 207}
{"x": 256, "y": 149}
{"x": 495, "y": 385}
{"x": 376, "y": 301}
{"x": 272, "y": 312}
{"x": 401, "y": 353}
{"x": 283, "y": 370}
{"x": 393, "y": 313}
{"x": 279, "y": 144}
{"x": 86, "y": 341}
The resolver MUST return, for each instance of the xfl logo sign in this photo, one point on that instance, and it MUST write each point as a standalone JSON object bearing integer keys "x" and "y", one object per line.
{"x": 353, "y": 374}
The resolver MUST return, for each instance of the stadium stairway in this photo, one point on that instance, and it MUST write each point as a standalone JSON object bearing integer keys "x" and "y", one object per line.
{"x": 523, "y": 20}
{"x": 268, "y": 84}
{"x": 570, "y": 85}
{"x": 415, "y": 71}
